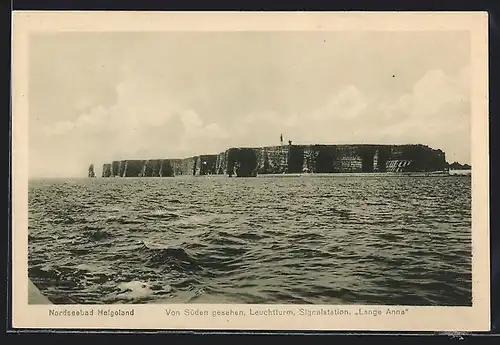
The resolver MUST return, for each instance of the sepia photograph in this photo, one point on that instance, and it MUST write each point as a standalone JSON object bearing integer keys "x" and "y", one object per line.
{"x": 241, "y": 167}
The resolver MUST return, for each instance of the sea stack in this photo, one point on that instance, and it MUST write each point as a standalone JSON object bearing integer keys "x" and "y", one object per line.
{"x": 91, "y": 170}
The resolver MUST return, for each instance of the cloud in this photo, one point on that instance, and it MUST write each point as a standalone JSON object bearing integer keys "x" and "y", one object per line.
{"x": 83, "y": 102}
{"x": 432, "y": 94}
{"x": 196, "y": 137}
{"x": 348, "y": 103}
{"x": 59, "y": 128}
{"x": 434, "y": 90}
{"x": 192, "y": 122}
{"x": 319, "y": 124}
{"x": 144, "y": 122}
{"x": 436, "y": 113}
{"x": 139, "y": 105}
{"x": 147, "y": 121}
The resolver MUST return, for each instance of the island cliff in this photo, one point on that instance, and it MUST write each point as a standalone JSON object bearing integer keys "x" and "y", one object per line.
{"x": 288, "y": 159}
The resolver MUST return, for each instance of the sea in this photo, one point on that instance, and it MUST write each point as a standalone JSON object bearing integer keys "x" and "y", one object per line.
{"x": 392, "y": 240}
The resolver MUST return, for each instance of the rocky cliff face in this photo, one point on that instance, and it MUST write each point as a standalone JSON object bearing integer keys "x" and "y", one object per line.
{"x": 206, "y": 165}
{"x": 248, "y": 162}
{"x": 106, "y": 170}
{"x": 152, "y": 168}
{"x": 221, "y": 164}
{"x": 184, "y": 166}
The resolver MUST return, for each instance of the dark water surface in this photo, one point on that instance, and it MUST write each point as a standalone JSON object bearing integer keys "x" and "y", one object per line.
{"x": 322, "y": 240}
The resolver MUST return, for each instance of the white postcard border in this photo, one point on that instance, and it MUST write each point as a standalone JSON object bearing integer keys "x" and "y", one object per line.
{"x": 155, "y": 316}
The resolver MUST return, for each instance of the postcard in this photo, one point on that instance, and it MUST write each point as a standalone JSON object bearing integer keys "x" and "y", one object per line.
{"x": 250, "y": 171}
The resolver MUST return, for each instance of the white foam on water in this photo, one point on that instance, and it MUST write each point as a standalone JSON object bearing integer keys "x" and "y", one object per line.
{"x": 135, "y": 289}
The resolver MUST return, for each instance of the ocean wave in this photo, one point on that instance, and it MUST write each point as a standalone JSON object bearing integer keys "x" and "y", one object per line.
{"x": 123, "y": 219}
{"x": 158, "y": 255}
{"x": 98, "y": 235}
{"x": 327, "y": 241}
{"x": 160, "y": 214}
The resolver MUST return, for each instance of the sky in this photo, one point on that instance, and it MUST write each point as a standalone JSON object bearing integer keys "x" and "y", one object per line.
{"x": 99, "y": 97}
